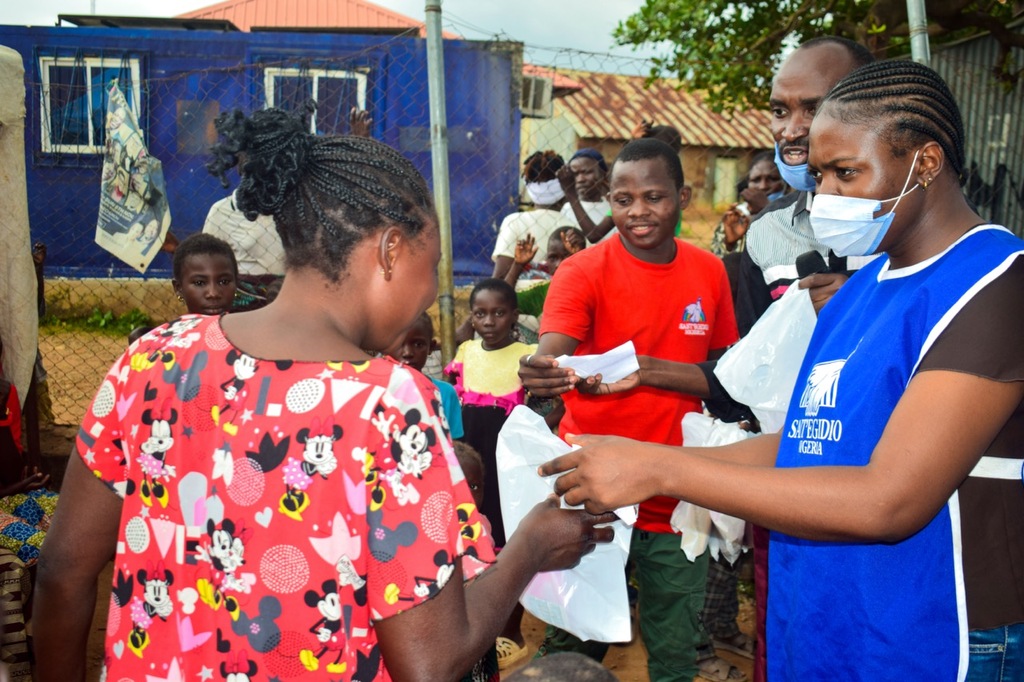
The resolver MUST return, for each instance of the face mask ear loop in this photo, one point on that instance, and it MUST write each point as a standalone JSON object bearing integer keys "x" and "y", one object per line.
{"x": 904, "y": 192}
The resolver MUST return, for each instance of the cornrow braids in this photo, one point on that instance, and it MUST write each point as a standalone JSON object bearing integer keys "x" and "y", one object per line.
{"x": 542, "y": 166}
{"x": 325, "y": 193}
{"x": 911, "y": 100}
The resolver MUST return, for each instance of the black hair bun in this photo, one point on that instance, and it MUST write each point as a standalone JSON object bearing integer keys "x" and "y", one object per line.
{"x": 276, "y": 144}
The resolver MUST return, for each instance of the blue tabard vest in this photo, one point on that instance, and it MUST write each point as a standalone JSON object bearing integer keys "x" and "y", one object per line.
{"x": 856, "y": 611}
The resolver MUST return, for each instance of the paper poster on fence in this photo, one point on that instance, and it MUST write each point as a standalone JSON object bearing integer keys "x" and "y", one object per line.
{"x": 134, "y": 216}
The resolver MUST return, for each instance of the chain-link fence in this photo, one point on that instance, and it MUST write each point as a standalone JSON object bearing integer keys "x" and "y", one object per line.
{"x": 504, "y": 102}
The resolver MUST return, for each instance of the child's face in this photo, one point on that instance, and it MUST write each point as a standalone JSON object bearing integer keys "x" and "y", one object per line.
{"x": 207, "y": 283}
{"x": 415, "y": 347}
{"x": 645, "y": 208}
{"x": 493, "y": 318}
{"x": 556, "y": 252}
{"x": 474, "y": 479}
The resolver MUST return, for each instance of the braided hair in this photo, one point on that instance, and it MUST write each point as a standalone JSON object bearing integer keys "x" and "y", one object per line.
{"x": 911, "y": 100}
{"x": 325, "y": 193}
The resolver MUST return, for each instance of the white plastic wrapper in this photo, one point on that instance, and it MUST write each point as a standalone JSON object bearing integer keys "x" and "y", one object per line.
{"x": 589, "y": 600}
{"x": 701, "y": 528}
{"x": 761, "y": 369}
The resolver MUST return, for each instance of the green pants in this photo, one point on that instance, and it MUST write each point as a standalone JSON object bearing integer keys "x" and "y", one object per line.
{"x": 670, "y": 602}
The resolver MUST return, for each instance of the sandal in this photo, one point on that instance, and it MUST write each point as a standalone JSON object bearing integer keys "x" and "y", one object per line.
{"x": 509, "y": 653}
{"x": 739, "y": 644}
{"x": 718, "y": 669}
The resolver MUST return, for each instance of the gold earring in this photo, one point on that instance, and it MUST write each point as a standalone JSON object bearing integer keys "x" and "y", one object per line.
{"x": 382, "y": 273}
{"x": 926, "y": 182}
{"x": 181, "y": 298}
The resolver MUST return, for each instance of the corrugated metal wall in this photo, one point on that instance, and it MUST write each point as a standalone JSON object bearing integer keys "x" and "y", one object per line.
{"x": 994, "y": 128}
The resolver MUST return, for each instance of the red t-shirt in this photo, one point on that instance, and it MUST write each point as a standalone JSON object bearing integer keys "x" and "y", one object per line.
{"x": 272, "y": 511}
{"x": 603, "y": 297}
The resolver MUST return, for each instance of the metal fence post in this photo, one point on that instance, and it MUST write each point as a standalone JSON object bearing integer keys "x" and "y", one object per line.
{"x": 439, "y": 158}
{"x": 918, "y": 21}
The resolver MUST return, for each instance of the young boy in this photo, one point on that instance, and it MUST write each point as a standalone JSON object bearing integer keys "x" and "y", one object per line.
{"x": 673, "y": 301}
{"x": 419, "y": 342}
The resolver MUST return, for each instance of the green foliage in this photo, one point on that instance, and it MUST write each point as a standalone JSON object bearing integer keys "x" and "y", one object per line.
{"x": 102, "y": 321}
{"x": 731, "y": 49}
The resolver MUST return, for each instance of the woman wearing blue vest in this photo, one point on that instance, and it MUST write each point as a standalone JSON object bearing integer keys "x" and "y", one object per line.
{"x": 895, "y": 489}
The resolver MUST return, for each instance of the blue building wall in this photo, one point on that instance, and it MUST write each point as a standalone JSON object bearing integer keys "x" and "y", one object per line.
{"x": 180, "y": 69}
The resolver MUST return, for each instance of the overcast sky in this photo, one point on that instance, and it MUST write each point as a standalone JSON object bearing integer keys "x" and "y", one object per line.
{"x": 578, "y": 24}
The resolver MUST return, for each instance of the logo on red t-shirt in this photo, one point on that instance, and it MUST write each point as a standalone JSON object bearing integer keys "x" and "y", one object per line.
{"x": 695, "y": 322}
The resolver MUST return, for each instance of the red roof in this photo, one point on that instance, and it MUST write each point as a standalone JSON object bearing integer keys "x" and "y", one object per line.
{"x": 609, "y": 105}
{"x": 559, "y": 81}
{"x": 245, "y": 14}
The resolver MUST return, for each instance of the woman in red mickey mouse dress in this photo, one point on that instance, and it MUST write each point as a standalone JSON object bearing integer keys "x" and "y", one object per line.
{"x": 306, "y": 524}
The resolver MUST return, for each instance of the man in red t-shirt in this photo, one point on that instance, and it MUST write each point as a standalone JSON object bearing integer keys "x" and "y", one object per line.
{"x": 673, "y": 301}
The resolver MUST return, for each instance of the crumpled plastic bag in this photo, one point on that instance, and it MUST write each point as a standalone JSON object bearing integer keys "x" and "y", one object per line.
{"x": 701, "y": 528}
{"x": 589, "y": 600}
{"x": 760, "y": 371}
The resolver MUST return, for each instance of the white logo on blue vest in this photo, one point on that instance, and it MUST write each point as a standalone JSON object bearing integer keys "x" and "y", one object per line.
{"x": 822, "y": 386}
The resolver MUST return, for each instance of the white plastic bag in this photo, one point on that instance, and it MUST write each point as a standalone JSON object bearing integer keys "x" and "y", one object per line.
{"x": 761, "y": 369}
{"x": 701, "y": 528}
{"x": 589, "y": 600}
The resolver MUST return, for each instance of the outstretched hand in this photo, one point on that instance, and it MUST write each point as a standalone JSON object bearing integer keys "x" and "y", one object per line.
{"x": 542, "y": 376}
{"x": 594, "y": 385}
{"x": 605, "y": 473}
{"x": 641, "y": 129}
{"x": 526, "y": 249}
{"x": 30, "y": 481}
{"x": 359, "y": 122}
{"x": 564, "y": 536}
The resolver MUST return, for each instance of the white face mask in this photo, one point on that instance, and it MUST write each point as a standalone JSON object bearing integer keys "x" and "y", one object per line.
{"x": 848, "y": 225}
{"x": 545, "y": 193}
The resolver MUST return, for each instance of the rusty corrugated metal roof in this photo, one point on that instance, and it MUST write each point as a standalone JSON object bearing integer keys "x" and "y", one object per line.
{"x": 245, "y": 14}
{"x": 559, "y": 81}
{"x": 610, "y": 105}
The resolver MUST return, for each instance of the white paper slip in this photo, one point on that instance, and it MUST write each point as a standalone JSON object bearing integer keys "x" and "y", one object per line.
{"x": 618, "y": 363}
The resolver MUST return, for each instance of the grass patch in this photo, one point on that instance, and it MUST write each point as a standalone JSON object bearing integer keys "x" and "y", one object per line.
{"x": 97, "y": 321}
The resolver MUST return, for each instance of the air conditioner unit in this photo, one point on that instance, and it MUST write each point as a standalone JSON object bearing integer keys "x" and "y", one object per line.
{"x": 536, "y": 99}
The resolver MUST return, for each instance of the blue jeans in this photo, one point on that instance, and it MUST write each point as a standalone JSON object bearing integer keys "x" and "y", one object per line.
{"x": 996, "y": 655}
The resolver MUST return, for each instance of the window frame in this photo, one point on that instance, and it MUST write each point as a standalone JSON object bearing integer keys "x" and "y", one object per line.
{"x": 133, "y": 64}
{"x": 272, "y": 72}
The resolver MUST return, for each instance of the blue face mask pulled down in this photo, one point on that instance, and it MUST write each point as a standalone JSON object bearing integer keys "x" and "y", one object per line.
{"x": 796, "y": 177}
{"x": 775, "y": 195}
{"x": 848, "y": 225}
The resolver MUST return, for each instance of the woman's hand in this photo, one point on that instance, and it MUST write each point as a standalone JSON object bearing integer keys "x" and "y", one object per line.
{"x": 542, "y": 376}
{"x": 823, "y": 286}
{"x": 605, "y": 473}
{"x": 563, "y": 536}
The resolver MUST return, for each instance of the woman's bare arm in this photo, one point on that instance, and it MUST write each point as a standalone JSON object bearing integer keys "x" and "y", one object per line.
{"x": 936, "y": 434}
{"x": 80, "y": 542}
